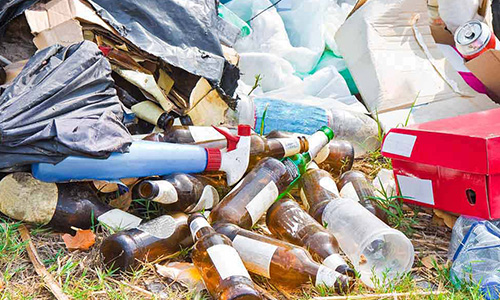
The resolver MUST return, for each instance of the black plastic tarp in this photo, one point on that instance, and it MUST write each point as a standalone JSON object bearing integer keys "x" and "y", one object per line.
{"x": 9, "y": 9}
{"x": 183, "y": 33}
{"x": 62, "y": 103}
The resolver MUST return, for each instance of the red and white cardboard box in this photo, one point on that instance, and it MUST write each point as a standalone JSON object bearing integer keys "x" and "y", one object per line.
{"x": 450, "y": 164}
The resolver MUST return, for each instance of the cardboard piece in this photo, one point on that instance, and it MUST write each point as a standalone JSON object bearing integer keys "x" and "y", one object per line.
{"x": 434, "y": 169}
{"x": 65, "y": 34}
{"x": 393, "y": 71}
{"x": 41, "y": 17}
{"x": 486, "y": 68}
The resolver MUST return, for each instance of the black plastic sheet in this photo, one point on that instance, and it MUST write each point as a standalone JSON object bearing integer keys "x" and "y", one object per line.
{"x": 182, "y": 33}
{"x": 9, "y": 9}
{"x": 62, "y": 103}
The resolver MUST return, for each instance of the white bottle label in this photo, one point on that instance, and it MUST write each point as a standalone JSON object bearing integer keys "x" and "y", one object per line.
{"x": 262, "y": 201}
{"x": 118, "y": 219}
{"x": 322, "y": 155}
{"x": 166, "y": 193}
{"x": 328, "y": 184}
{"x": 196, "y": 225}
{"x": 255, "y": 254}
{"x": 204, "y": 133}
{"x": 227, "y": 261}
{"x": 208, "y": 199}
{"x": 326, "y": 276}
{"x": 290, "y": 145}
{"x": 348, "y": 191}
{"x": 334, "y": 261}
{"x": 162, "y": 227}
{"x": 316, "y": 142}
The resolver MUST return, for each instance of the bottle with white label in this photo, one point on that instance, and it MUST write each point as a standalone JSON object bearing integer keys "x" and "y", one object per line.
{"x": 220, "y": 266}
{"x": 60, "y": 206}
{"x": 336, "y": 157}
{"x": 181, "y": 192}
{"x": 283, "y": 263}
{"x": 288, "y": 221}
{"x": 249, "y": 200}
{"x": 154, "y": 114}
{"x": 355, "y": 185}
{"x": 375, "y": 249}
{"x": 151, "y": 240}
{"x": 188, "y": 135}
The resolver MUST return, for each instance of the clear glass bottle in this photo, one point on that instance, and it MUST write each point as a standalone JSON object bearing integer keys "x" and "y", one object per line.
{"x": 220, "y": 266}
{"x": 283, "y": 263}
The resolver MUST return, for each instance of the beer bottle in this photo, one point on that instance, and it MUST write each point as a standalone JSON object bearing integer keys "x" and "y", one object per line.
{"x": 283, "y": 263}
{"x": 220, "y": 265}
{"x": 354, "y": 185}
{"x": 159, "y": 237}
{"x": 188, "y": 135}
{"x": 269, "y": 179}
{"x": 288, "y": 221}
{"x": 317, "y": 189}
{"x": 336, "y": 157}
{"x": 60, "y": 206}
{"x": 181, "y": 192}
{"x": 153, "y": 114}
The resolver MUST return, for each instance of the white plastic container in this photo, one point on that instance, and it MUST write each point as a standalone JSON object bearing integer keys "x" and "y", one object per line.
{"x": 377, "y": 251}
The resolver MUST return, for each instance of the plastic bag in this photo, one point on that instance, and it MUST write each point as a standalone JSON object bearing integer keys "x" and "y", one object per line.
{"x": 62, "y": 103}
{"x": 456, "y": 13}
{"x": 477, "y": 257}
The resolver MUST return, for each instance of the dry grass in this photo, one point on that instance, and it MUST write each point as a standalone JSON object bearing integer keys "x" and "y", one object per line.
{"x": 81, "y": 274}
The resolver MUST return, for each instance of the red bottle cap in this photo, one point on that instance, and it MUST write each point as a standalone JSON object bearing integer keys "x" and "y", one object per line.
{"x": 244, "y": 130}
{"x": 214, "y": 158}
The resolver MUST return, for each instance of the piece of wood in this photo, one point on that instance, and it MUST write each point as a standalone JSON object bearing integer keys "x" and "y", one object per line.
{"x": 381, "y": 296}
{"x": 40, "y": 269}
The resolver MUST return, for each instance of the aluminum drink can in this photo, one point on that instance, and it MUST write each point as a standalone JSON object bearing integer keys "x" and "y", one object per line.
{"x": 474, "y": 38}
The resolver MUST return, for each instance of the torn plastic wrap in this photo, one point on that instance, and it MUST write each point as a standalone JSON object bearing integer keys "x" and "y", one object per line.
{"x": 182, "y": 33}
{"x": 62, "y": 103}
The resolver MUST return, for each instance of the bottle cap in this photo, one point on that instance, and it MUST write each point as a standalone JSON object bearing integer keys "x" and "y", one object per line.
{"x": 328, "y": 132}
{"x": 244, "y": 130}
{"x": 214, "y": 158}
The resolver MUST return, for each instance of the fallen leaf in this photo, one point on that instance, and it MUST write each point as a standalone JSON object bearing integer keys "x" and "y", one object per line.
{"x": 123, "y": 201}
{"x": 362, "y": 259}
{"x": 429, "y": 261}
{"x": 437, "y": 221}
{"x": 448, "y": 219}
{"x": 82, "y": 240}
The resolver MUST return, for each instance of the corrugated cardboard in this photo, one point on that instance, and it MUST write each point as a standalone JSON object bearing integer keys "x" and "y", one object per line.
{"x": 41, "y": 17}
{"x": 392, "y": 70}
{"x": 486, "y": 67}
{"x": 67, "y": 33}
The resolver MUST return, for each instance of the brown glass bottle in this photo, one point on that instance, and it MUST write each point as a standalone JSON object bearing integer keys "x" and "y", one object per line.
{"x": 269, "y": 179}
{"x": 187, "y": 135}
{"x": 283, "y": 263}
{"x": 288, "y": 221}
{"x": 253, "y": 195}
{"x": 356, "y": 186}
{"x": 261, "y": 147}
{"x": 159, "y": 237}
{"x": 337, "y": 157}
{"x": 61, "y": 206}
{"x": 180, "y": 192}
{"x": 318, "y": 188}
{"x": 221, "y": 268}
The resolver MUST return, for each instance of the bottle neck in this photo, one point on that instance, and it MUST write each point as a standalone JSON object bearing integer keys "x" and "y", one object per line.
{"x": 165, "y": 121}
{"x": 199, "y": 227}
